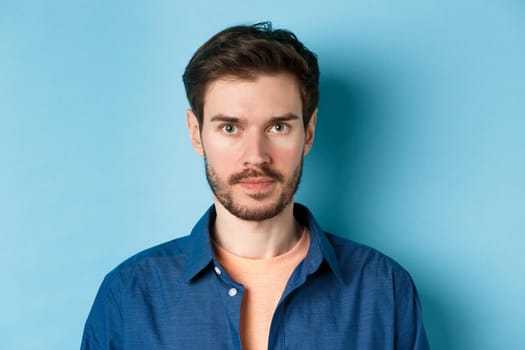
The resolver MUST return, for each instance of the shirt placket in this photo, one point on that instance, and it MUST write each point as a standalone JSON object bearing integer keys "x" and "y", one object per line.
{"x": 230, "y": 294}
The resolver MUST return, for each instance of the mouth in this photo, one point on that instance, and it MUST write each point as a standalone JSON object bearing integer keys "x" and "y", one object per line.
{"x": 257, "y": 184}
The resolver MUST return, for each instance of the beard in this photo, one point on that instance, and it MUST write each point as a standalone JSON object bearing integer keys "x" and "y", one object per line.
{"x": 223, "y": 191}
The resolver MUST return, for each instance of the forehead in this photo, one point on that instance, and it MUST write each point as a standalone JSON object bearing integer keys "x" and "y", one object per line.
{"x": 266, "y": 95}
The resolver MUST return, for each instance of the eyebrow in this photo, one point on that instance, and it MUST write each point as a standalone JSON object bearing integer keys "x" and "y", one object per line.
{"x": 284, "y": 118}
{"x": 234, "y": 120}
{"x": 224, "y": 118}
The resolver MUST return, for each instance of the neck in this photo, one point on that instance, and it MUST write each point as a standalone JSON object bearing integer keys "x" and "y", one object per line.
{"x": 256, "y": 239}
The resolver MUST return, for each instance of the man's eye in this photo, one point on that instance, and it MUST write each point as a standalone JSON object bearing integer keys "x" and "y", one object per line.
{"x": 279, "y": 128}
{"x": 229, "y": 129}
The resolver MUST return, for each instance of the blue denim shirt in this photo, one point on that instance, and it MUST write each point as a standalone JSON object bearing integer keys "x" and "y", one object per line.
{"x": 343, "y": 295}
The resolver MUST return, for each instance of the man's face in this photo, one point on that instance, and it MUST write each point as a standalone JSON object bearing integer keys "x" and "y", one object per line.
{"x": 253, "y": 140}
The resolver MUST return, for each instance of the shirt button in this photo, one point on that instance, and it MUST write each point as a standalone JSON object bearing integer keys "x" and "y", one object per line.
{"x": 232, "y": 292}
{"x": 217, "y": 270}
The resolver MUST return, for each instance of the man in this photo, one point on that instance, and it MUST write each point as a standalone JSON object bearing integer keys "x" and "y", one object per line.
{"x": 257, "y": 271}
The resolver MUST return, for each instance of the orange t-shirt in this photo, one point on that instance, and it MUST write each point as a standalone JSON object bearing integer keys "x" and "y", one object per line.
{"x": 264, "y": 281}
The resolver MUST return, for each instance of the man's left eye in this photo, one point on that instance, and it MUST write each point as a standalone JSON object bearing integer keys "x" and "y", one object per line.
{"x": 279, "y": 128}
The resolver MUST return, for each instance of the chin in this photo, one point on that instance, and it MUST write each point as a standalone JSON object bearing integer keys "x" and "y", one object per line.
{"x": 257, "y": 210}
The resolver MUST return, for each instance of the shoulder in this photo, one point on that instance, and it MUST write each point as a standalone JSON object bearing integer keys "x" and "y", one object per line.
{"x": 384, "y": 289}
{"x": 166, "y": 257}
{"x": 356, "y": 259}
{"x": 352, "y": 258}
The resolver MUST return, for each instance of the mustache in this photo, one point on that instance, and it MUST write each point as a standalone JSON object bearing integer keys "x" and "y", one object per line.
{"x": 263, "y": 171}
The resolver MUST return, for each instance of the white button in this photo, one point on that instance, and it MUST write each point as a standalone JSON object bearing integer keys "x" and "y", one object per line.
{"x": 217, "y": 270}
{"x": 232, "y": 292}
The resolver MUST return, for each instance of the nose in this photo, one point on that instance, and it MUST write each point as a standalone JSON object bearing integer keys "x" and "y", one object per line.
{"x": 256, "y": 150}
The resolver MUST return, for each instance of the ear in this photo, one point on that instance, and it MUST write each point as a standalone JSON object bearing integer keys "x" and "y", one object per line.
{"x": 310, "y": 133}
{"x": 195, "y": 132}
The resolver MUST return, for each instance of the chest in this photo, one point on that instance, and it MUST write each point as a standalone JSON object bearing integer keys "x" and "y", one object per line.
{"x": 321, "y": 313}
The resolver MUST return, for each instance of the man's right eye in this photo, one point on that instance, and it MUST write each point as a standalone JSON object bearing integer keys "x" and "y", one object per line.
{"x": 229, "y": 129}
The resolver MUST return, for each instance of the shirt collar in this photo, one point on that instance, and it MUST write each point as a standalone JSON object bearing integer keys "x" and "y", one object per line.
{"x": 200, "y": 252}
{"x": 320, "y": 247}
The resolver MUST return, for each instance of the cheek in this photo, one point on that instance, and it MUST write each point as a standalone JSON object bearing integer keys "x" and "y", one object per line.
{"x": 219, "y": 156}
{"x": 213, "y": 145}
{"x": 287, "y": 157}
{"x": 289, "y": 148}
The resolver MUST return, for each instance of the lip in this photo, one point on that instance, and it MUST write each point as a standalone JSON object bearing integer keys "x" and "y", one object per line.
{"x": 256, "y": 184}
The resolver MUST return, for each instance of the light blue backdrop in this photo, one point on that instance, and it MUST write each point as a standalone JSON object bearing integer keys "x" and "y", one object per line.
{"x": 419, "y": 151}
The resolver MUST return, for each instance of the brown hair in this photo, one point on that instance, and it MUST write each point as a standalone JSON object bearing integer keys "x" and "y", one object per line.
{"x": 246, "y": 52}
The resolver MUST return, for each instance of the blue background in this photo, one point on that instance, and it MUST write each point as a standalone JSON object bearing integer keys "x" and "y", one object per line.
{"x": 419, "y": 150}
